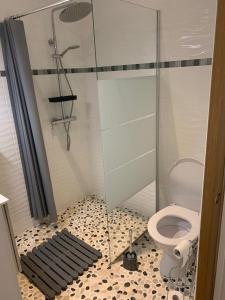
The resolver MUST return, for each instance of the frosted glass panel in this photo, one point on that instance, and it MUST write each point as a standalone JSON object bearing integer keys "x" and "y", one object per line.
{"x": 125, "y": 38}
{"x": 126, "y": 142}
{"x": 128, "y": 126}
{"x": 122, "y": 100}
{"x": 127, "y": 180}
{"x": 128, "y": 131}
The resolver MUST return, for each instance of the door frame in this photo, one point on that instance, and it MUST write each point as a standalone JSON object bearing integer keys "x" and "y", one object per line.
{"x": 213, "y": 191}
{"x": 219, "y": 292}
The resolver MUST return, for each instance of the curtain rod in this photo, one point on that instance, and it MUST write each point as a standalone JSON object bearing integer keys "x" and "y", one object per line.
{"x": 30, "y": 12}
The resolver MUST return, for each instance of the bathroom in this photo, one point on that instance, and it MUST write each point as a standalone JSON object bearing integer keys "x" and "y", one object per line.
{"x": 114, "y": 168}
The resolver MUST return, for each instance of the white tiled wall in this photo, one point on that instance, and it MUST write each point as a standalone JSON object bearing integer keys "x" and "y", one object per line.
{"x": 187, "y": 27}
{"x": 184, "y": 103}
{"x": 70, "y": 170}
{"x": 124, "y": 33}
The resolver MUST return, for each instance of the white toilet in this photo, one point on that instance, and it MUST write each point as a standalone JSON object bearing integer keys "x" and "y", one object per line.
{"x": 180, "y": 221}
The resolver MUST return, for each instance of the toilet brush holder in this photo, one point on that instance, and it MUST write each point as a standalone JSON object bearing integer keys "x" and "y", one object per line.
{"x": 130, "y": 257}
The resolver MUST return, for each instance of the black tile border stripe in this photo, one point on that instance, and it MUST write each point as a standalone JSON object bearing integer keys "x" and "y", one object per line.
{"x": 130, "y": 67}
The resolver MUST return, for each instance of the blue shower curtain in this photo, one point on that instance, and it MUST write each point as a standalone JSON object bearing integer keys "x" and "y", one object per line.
{"x": 27, "y": 123}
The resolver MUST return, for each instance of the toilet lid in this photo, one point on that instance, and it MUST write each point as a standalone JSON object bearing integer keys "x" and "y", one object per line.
{"x": 186, "y": 183}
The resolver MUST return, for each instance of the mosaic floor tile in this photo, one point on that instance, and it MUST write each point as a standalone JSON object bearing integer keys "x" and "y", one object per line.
{"x": 88, "y": 221}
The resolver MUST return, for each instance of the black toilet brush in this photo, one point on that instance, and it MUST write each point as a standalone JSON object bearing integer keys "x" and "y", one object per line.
{"x": 130, "y": 257}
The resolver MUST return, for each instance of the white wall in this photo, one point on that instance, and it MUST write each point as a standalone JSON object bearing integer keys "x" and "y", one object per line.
{"x": 187, "y": 27}
{"x": 124, "y": 33}
{"x": 184, "y": 103}
{"x": 69, "y": 170}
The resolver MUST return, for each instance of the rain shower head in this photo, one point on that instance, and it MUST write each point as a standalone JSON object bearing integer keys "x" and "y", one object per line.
{"x": 75, "y": 12}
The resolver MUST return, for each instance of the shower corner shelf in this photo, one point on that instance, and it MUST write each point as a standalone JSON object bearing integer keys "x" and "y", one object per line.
{"x": 62, "y": 98}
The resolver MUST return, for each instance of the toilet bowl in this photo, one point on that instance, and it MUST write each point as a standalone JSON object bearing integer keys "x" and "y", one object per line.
{"x": 180, "y": 220}
{"x": 172, "y": 224}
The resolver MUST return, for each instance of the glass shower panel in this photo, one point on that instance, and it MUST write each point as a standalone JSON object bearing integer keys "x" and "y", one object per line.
{"x": 126, "y": 52}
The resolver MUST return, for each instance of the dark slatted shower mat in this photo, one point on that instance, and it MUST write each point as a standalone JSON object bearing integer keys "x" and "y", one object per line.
{"x": 56, "y": 263}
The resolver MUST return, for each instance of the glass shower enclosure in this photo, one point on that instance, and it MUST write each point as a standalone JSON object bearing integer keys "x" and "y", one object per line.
{"x": 110, "y": 59}
{"x": 127, "y": 53}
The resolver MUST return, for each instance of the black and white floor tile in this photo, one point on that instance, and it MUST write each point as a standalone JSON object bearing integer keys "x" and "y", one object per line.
{"x": 88, "y": 221}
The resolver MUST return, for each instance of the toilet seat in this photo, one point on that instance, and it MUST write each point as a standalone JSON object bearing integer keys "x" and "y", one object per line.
{"x": 170, "y": 212}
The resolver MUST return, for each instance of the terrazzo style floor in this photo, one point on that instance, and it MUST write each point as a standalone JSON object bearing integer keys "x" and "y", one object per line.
{"x": 88, "y": 221}
{"x": 120, "y": 221}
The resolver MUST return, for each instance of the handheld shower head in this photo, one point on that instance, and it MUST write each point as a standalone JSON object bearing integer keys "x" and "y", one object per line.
{"x": 60, "y": 55}
{"x": 68, "y": 49}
